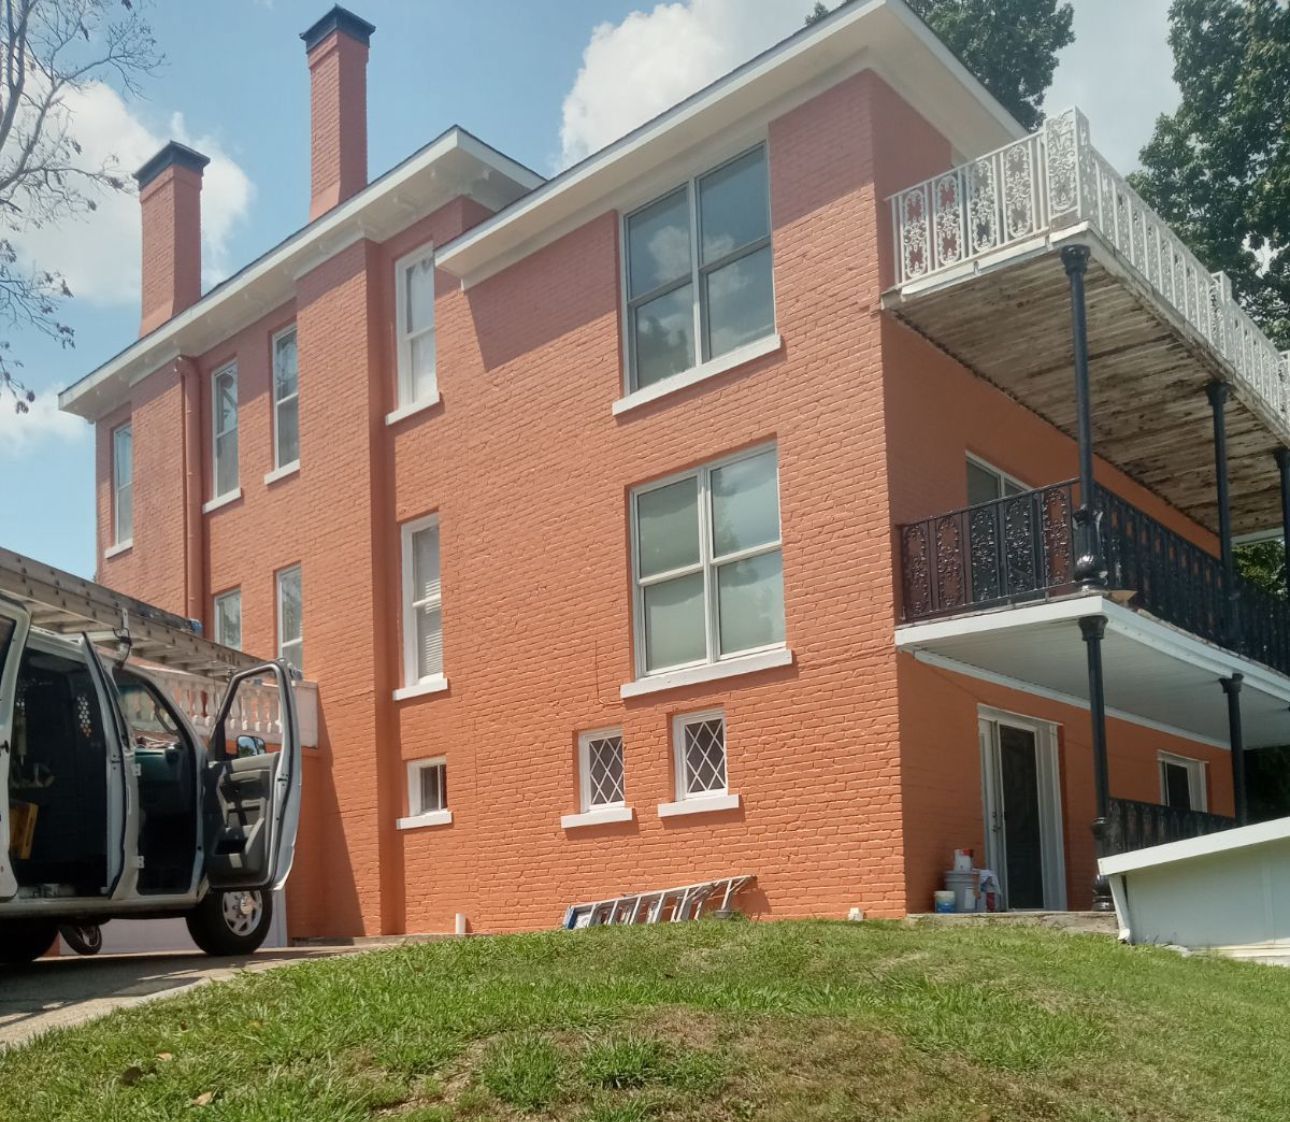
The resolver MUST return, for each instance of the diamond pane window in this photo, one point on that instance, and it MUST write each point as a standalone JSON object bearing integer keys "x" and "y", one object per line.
{"x": 700, "y": 755}
{"x": 603, "y": 775}
{"x": 699, "y": 274}
{"x": 709, "y": 573}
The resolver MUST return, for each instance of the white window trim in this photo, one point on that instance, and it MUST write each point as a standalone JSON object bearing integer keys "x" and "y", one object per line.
{"x": 277, "y": 589}
{"x": 119, "y": 543}
{"x": 703, "y": 802}
{"x": 436, "y": 683}
{"x": 758, "y": 348}
{"x": 215, "y": 616}
{"x": 405, "y": 403}
{"x": 403, "y": 412}
{"x": 223, "y": 500}
{"x": 271, "y": 477}
{"x": 218, "y": 500}
{"x": 414, "y": 686}
{"x": 280, "y": 469}
{"x": 1197, "y": 778}
{"x": 986, "y": 465}
{"x": 707, "y": 564}
{"x": 691, "y": 186}
{"x": 584, "y": 770}
{"x": 118, "y": 549}
{"x": 418, "y": 816}
{"x": 734, "y": 667}
{"x": 600, "y": 816}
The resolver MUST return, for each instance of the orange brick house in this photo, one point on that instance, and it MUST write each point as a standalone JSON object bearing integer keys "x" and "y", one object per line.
{"x": 718, "y": 506}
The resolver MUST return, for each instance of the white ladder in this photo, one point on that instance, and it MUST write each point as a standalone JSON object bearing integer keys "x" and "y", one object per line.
{"x": 670, "y": 905}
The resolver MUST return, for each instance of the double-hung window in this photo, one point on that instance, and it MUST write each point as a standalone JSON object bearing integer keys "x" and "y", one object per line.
{"x": 418, "y": 381}
{"x": 122, "y": 485}
{"x": 1182, "y": 782}
{"x": 709, "y": 579}
{"x": 291, "y": 646}
{"x": 286, "y": 401}
{"x": 699, "y": 271}
{"x": 228, "y": 618}
{"x": 224, "y": 477}
{"x": 422, "y": 604}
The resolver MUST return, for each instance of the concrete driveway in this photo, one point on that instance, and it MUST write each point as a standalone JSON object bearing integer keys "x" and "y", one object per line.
{"x": 56, "y": 992}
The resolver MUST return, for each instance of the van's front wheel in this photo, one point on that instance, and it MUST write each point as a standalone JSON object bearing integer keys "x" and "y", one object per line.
{"x": 232, "y": 922}
{"x": 25, "y": 940}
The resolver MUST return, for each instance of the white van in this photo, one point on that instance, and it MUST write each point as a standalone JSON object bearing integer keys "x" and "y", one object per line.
{"x": 114, "y": 805}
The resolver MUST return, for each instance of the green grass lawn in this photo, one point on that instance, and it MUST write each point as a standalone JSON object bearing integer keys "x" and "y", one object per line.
{"x": 704, "y": 1020}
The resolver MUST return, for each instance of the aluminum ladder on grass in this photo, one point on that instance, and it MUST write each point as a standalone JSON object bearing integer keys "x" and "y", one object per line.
{"x": 670, "y": 905}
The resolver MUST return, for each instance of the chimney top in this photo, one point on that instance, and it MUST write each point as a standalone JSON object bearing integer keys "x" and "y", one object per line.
{"x": 341, "y": 20}
{"x": 173, "y": 154}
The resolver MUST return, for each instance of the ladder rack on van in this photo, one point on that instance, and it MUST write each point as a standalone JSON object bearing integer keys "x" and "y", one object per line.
{"x": 61, "y": 602}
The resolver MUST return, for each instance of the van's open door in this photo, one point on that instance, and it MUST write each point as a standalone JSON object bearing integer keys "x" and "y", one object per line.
{"x": 14, "y": 623}
{"x": 251, "y": 800}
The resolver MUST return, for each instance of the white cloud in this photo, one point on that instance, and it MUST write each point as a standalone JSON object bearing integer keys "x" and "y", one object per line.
{"x": 21, "y": 434}
{"x": 99, "y": 254}
{"x": 634, "y": 70}
{"x": 1119, "y": 71}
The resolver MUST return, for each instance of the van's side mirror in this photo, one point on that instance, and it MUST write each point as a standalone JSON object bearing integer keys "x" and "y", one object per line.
{"x": 249, "y": 746}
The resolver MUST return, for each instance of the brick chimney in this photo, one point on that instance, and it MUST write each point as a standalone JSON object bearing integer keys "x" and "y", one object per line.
{"x": 170, "y": 196}
{"x": 336, "y": 47}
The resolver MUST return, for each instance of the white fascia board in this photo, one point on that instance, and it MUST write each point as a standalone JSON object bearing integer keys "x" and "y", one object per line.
{"x": 1223, "y": 841}
{"x": 391, "y": 203}
{"x": 883, "y": 35}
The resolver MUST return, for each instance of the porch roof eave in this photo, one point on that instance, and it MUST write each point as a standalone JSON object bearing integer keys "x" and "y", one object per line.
{"x": 1156, "y": 675}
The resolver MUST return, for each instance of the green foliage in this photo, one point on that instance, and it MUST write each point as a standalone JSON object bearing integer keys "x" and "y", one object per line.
{"x": 1218, "y": 170}
{"x": 523, "y": 1071}
{"x": 624, "y": 1062}
{"x": 1010, "y": 45}
{"x": 1263, "y": 564}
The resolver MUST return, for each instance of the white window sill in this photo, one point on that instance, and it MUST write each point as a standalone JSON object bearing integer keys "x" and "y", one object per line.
{"x": 430, "y": 818}
{"x": 222, "y": 500}
{"x": 710, "y": 672}
{"x": 700, "y": 804}
{"x": 437, "y": 684}
{"x": 118, "y": 549}
{"x": 710, "y": 369}
{"x": 597, "y": 816}
{"x": 282, "y": 472}
{"x": 412, "y": 408}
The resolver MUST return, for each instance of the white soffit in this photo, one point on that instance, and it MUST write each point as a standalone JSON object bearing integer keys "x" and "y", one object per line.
{"x": 453, "y": 165}
{"x": 1153, "y": 673}
{"x": 882, "y": 35}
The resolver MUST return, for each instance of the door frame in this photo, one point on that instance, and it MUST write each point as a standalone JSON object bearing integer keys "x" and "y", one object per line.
{"x": 9, "y": 663}
{"x": 1048, "y": 779}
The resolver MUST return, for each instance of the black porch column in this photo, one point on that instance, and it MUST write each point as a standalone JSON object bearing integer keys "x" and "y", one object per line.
{"x": 1093, "y": 628}
{"x": 1217, "y": 393}
{"x": 1283, "y": 467}
{"x": 1236, "y": 740}
{"x": 1090, "y": 567}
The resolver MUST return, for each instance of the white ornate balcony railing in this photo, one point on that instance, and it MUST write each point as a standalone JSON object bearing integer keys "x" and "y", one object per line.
{"x": 1054, "y": 179}
{"x": 255, "y": 712}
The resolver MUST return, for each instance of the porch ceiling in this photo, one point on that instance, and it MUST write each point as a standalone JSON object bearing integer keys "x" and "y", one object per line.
{"x": 1010, "y": 323}
{"x": 1154, "y": 674}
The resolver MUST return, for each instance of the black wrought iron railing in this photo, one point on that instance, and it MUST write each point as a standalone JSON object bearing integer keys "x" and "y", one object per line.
{"x": 1022, "y": 547}
{"x": 1137, "y": 825}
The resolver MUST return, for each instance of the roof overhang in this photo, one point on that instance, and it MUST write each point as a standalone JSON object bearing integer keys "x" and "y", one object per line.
{"x": 455, "y": 164}
{"x": 882, "y": 35}
{"x": 1155, "y": 675}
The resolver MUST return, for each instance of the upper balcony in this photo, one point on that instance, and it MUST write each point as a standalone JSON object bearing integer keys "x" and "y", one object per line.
{"x": 978, "y": 274}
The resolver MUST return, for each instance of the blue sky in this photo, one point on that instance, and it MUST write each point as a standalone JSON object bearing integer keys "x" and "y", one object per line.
{"x": 544, "y": 82}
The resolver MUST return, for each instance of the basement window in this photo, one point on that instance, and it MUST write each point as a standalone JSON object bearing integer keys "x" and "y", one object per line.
{"x": 427, "y": 794}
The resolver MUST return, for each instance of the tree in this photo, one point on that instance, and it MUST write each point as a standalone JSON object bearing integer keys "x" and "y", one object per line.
{"x": 1010, "y": 45}
{"x": 50, "y": 49}
{"x": 1218, "y": 169}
